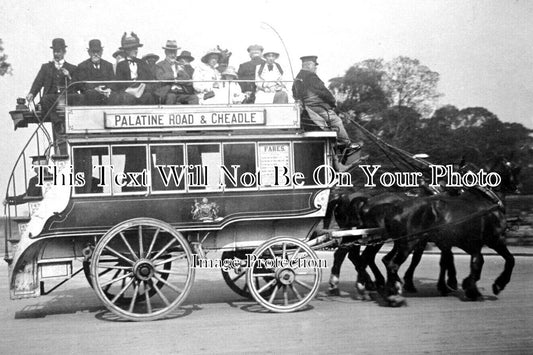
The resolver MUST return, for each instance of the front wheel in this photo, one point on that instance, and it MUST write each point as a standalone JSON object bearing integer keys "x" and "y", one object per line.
{"x": 153, "y": 269}
{"x": 284, "y": 275}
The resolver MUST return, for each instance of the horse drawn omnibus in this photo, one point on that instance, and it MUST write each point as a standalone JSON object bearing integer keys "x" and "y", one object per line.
{"x": 146, "y": 191}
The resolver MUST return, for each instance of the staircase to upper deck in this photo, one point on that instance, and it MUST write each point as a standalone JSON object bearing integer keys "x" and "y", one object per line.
{"x": 19, "y": 206}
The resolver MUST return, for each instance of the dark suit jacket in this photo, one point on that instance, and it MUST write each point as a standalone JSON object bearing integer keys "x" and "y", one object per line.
{"x": 247, "y": 72}
{"x": 48, "y": 75}
{"x": 143, "y": 72}
{"x": 311, "y": 90}
{"x": 87, "y": 72}
{"x": 164, "y": 72}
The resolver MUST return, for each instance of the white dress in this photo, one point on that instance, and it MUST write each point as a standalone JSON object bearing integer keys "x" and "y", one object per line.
{"x": 267, "y": 83}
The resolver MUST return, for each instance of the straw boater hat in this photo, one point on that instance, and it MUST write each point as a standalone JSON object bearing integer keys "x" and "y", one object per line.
{"x": 151, "y": 55}
{"x": 171, "y": 45}
{"x": 58, "y": 43}
{"x": 276, "y": 54}
{"x": 209, "y": 52}
{"x": 186, "y": 55}
{"x": 230, "y": 71}
{"x": 130, "y": 42}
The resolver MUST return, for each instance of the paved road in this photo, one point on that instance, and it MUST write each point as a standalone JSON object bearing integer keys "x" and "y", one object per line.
{"x": 214, "y": 320}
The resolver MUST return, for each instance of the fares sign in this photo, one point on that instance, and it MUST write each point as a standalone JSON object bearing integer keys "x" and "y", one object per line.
{"x": 184, "y": 119}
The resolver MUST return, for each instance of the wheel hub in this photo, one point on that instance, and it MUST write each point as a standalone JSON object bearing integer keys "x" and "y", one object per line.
{"x": 143, "y": 270}
{"x": 285, "y": 276}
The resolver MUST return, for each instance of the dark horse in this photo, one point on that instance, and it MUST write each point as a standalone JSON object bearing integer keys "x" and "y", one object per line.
{"x": 356, "y": 210}
{"x": 468, "y": 221}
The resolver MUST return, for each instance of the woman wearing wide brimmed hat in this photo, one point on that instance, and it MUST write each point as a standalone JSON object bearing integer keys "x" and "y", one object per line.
{"x": 207, "y": 77}
{"x": 268, "y": 77}
{"x": 133, "y": 69}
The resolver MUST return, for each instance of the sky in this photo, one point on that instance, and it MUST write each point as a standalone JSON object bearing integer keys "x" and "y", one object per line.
{"x": 480, "y": 48}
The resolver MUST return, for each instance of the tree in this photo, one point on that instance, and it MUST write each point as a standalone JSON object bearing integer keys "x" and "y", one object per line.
{"x": 5, "y": 67}
{"x": 411, "y": 84}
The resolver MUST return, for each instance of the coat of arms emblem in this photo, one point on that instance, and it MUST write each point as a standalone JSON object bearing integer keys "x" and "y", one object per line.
{"x": 205, "y": 211}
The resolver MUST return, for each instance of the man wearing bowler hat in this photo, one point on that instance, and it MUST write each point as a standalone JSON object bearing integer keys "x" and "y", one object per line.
{"x": 247, "y": 71}
{"x": 53, "y": 78}
{"x": 319, "y": 103}
{"x": 95, "y": 69}
{"x": 133, "y": 69}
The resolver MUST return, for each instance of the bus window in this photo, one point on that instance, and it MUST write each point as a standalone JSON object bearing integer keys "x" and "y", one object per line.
{"x": 205, "y": 171}
{"x": 129, "y": 168}
{"x": 87, "y": 160}
{"x": 166, "y": 162}
{"x": 308, "y": 157}
{"x": 242, "y": 155}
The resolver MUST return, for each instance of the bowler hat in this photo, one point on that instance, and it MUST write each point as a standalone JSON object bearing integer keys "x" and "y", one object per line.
{"x": 130, "y": 42}
{"x": 255, "y": 47}
{"x": 172, "y": 45}
{"x": 209, "y": 52}
{"x": 118, "y": 52}
{"x": 309, "y": 58}
{"x": 186, "y": 55}
{"x": 58, "y": 43}
{"x": 151, "y": 55}
{"x": 95, "y": 45}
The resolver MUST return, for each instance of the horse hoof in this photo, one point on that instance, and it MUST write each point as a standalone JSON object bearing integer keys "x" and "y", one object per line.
{"x": 444, "y": 290}
{"x": 473, "y": 295}
{"x": 452, "y": 284}
{"x": 396, "y": 301}
{"x": 410, "y": 288}
{"x": 496, "y": 289}
{"x": 334, "y": 292}
{"x": 371, "y": 286}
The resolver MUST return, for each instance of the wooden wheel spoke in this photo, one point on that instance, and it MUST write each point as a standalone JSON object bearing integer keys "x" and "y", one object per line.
{"x": 118, "y": 295}
{"x": 147, "y": 298}
{"x": 285, "y": 295}
{"x": 273, "y": 295}
{"x": 270, "y": 274}
{"x": 171, "y": 272}
{"x": 296, "y": 292}
{"x": 272, "y": 252}
{"x": 107, "y": 247}
{"x": 151, "y": 247}
{"x": 107, "y": 287}
{"x": 112, "y": 281}
{"x": 295, "y": 253}
{"x": 164, "y": 261}
{"x": 128, "y": 246}
{"x": 163, "y": 297}
{"x": 267, "y": 286}
{"x": 241, "y": 274}
{"x": 301, "y": 283}
{"x": 159, "y": 253}
{"x": 169, "y": 285}
{"x": 141, "y": 252}
{"x": 134, "y": 298}
{"x": 284, "y": 251}
{"x": 112, "y": 267}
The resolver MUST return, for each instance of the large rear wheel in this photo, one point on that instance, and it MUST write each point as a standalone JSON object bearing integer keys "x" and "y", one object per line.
{"x": 142, "y": 269}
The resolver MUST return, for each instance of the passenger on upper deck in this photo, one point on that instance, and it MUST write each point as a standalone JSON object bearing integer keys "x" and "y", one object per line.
{"x": 170, "y": 69}
{"x": 208, "y": 72}
{"x": 119, "y": 56}
{"x": 96, "y": 69}
{"x": 231, "y": 90}
{"x": 133, "y": 69}
{"x": 53, "y": 78}
{"x": 150, "y": 59}
{"x": 268, "y": 80}
{"x": 247, "y": 71}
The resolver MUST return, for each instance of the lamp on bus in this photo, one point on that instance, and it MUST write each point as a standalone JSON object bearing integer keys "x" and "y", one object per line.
{"x": 18, "y": 115}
